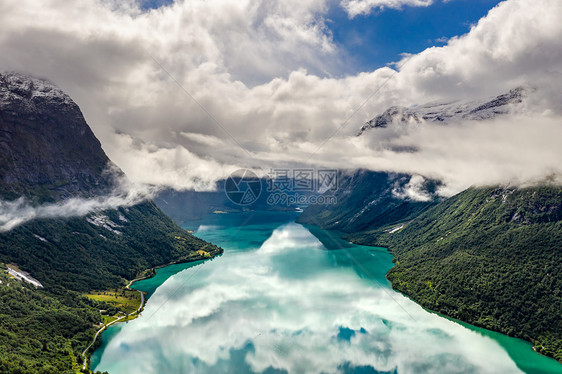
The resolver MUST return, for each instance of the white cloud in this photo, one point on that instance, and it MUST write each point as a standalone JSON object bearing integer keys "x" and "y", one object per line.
{"x": 262, "y": 69}
{"x": 173, "y": 166}
{"x": 358, "y": 7}
{"x": 518, "y": 150}
{"x": 413, "y": 190}
{"x": 17, "y": 212}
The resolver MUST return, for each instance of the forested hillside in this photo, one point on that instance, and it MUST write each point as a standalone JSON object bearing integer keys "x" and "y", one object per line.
{"x": 43, "y": 332}
{"x": 367, "y": 200}
{"x": 488, "y": 256}
{"x": 100, "y": 250}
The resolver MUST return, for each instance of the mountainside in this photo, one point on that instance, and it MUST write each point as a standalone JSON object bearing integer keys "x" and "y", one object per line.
{"x": 101, "y": 250}
{"x": 488, "y": 256}
{"x": 49, "y": 154}
{"x": 450, "y": 111}
{"x": 41, "y": 333}
{"x": 368, "y": 200}
{"x": 47, "y": 151}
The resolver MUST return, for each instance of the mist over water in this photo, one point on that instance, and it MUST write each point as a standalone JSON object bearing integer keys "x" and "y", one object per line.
{"x": 278, "y": 301}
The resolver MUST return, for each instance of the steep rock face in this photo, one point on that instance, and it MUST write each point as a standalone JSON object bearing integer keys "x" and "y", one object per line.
{"x": 47, "y": 151}
{"x": 452, "y": 111}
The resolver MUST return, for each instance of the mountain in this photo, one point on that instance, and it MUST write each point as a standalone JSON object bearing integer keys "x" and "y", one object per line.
{"x": 488, "y": 256}
{"x": 184, "y": 206}
{"x": 367, "y": 200}
{"x": 47, "y": 150}
{"x": 450, "y": 111}
{"x": 48, "y": 154}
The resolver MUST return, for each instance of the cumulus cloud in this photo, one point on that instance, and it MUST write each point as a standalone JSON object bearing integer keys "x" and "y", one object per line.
{"x": 271, "y": 80}
{"x": 357, "y": 7}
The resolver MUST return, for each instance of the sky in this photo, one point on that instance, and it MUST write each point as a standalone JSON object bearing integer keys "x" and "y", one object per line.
{"x": 378, "y": 38}
{"x": 374, "y": 39}
{"x": 182, "y": 93}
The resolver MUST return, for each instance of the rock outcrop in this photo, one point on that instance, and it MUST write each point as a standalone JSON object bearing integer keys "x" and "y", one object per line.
{"x": 47, "y": 150}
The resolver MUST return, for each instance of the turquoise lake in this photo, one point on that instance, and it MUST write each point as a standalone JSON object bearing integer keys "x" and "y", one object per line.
{"x": 285, "y": 298}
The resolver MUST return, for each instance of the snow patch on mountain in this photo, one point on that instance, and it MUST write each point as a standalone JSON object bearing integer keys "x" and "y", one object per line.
{"x": 452, "y": 111}
{"x": 24, "y": 87}
{"x": 101, "y": 220}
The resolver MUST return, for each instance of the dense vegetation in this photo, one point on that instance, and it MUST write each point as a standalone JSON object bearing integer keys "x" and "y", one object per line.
{"x": 45, "y": 330}
{"x": 367, "y": 200}
{"x": 75, "y": 254}
{"x": 41, "y": 332}
{"x": 488, "y": 256}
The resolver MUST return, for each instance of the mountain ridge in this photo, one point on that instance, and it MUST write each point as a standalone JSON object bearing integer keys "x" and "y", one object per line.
{"x": 450, "y": 111}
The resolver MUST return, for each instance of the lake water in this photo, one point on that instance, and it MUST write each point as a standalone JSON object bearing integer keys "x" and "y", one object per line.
{"x": 285, "y": 298}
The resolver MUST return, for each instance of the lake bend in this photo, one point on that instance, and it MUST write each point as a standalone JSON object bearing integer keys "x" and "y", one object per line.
{"x": 285, "y": 298}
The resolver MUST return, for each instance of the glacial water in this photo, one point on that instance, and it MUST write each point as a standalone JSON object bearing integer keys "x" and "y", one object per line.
{"x": 285, "y": 298}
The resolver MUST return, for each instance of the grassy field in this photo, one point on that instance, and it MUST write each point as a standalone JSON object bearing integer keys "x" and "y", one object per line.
{"x": 125, "y": 300}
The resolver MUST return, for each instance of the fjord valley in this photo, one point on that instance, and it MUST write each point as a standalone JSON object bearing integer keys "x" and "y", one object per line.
{"x": 50, "y": 156}
{"x": 296, "y": 299}
{"x": 488, "y": 256}
{"x": 281, "y": 187}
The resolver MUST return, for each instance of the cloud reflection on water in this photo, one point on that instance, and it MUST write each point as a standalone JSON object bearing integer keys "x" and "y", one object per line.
{"x": 282, "y": 308}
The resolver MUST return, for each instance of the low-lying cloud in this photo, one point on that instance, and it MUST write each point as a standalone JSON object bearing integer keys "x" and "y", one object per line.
{"x": 518, "y": 150}
{"x": 17, "y": 212}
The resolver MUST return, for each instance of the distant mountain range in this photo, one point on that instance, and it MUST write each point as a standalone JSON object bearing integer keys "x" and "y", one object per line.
{"x": 450, "y": 111}
{"x": 367, "y": 200}
{"x": 184, "y": 206}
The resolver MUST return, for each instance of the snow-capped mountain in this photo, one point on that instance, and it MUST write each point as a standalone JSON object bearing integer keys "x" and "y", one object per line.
{"x": 451, "y": 111}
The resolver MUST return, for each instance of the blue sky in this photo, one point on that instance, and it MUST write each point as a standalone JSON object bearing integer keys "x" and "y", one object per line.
{"x": 379, "y": 38}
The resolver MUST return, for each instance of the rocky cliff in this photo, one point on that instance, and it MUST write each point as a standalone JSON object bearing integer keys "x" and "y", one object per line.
{"x": 47, "y": 150}
{"x": 48, "y": 153}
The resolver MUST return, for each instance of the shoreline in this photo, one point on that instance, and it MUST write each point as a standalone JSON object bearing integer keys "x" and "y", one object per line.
{"x": 461, "y": 321}
{"x": 144, "y": 300}
{"x": 340, "y": 235}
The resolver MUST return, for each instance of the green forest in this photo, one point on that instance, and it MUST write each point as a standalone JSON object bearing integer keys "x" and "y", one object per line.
{"x": 488, "y": 256}
{"x": 46, "y": 330}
